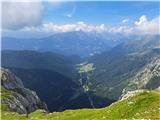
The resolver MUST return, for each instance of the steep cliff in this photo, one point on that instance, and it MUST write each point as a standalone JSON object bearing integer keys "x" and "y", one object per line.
{"x": 148, "y": 77}
{"x": 15, "y": 97}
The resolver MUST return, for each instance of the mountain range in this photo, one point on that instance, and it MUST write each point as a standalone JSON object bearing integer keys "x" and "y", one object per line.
{"x": 79, "y": 43}
{"x": 91, "y": 74}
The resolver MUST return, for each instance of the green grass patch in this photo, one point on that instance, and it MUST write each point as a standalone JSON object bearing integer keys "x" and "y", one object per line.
{"x": 145, "y": 105}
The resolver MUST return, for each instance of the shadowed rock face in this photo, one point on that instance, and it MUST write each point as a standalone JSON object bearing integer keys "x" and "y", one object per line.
{"x": 9, "y": 80}
{"x": 19, "y": 99}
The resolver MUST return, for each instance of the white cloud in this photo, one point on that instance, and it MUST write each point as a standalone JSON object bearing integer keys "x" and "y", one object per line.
{"x": 144, "y": 26}
{"x": 69, "y": 15}
{"x": 16, "y": 15}
{"x": 125, "y": 21}
{"x": 79, "y": 26}
{"x": 122, "y": 29}
{"x": 142, "y": 20}
{"x": 27, "y": 17}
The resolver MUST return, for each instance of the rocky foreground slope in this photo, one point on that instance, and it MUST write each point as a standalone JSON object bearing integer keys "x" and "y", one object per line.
{"x": 142, "y": 105}
{"x": 15, "y": 97}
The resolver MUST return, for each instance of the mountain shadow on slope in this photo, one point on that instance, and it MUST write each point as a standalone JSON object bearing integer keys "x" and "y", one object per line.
{"x": 58, "y": 91}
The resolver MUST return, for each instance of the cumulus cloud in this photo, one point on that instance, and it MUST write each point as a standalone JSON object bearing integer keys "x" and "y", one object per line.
{"x": 28, "y": 16}
{"x": 79, "y": 26}
{"x": 142, "y": 20}
{"x": 144, "y": 26}
{"x": 16, "y": 15}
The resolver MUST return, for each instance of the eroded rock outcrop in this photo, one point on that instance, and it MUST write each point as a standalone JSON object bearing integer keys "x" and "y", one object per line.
{"x": 147, "y": 78}
{"x": 16, "y": 97}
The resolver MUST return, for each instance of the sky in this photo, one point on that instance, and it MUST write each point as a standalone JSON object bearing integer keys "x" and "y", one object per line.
{"x": 55, "y": 16}
{"x": 99, "y": 12}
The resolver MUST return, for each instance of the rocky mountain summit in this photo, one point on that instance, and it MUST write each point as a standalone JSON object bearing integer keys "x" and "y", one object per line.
{"x": 15, "y": 97}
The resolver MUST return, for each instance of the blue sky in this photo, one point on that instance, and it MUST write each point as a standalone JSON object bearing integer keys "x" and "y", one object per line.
{"x": 111, "y": 13}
